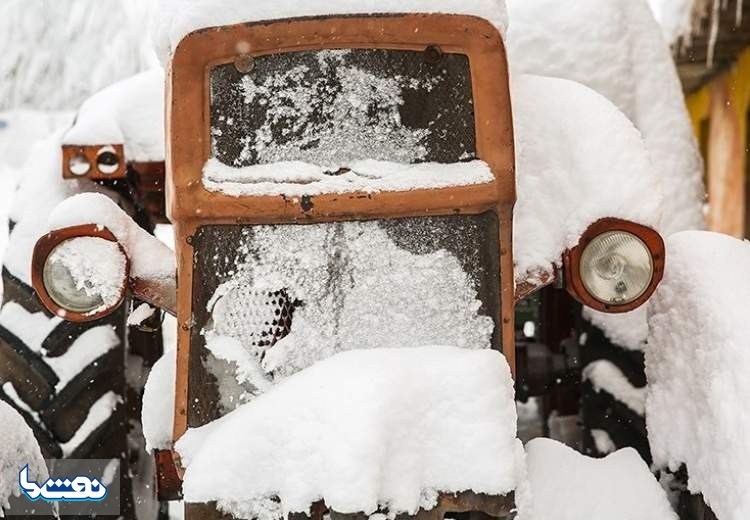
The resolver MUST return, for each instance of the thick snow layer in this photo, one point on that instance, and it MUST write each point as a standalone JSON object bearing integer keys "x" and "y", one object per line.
{"x": 578, "y": 159}
{"x": 18, "y": 448}
{"x": 617, "y": 48}
{"x": 363, "y": 429}
{"x": 566, "y": 485}
{"x": 56, "y": 54}
{"x": 140, "y": 314}
{"x": 41, "y": 188}
{"x": 158, "y": 402}
{"x": 130, "y": 112}
{"x": 174, "y": 19}
{"x": 96, "y": 267}
{"x": 295, "y": 178}
{"x": 605, "y": 375}
{"x": 697, "y": 363}
{"x": 149, "y": 257}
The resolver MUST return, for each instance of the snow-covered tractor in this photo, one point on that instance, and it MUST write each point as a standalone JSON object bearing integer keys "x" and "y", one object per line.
{"x": 78, "y": 384}
{"x": 347, "y": 182}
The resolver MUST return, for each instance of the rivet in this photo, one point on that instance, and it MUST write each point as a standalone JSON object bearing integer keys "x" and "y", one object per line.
{"x": 244, "y": 63}
{"x": 433, "y": 55}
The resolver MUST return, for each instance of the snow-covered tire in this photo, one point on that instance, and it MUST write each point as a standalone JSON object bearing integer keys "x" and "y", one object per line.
{"x": 612, "y": 421}
{"x": 80, "y": 404}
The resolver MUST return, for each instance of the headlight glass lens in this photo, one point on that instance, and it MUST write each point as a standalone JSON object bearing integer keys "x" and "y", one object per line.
{"x": 616, "y": 267}
{"x": 79, "y": 165}
{"x": 85, "y": 275}
{"x": 107, "y": 161}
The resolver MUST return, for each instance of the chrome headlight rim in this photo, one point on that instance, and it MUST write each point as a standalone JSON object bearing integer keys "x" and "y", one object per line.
{"x": 44, "y": 248}
{"x": 575, "y": 284}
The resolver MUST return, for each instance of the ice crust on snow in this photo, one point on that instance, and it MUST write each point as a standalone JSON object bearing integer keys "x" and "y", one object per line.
{"x": 578, "y": 159}
{"x": 174, "y": 19}
{"x": 18, "y": 448}
{"x": 96, "y": 266}
{"x": 296, "y": 178}
{"x": 129, "y": 112}
{"x": 617, "y": 49}
{"x": 617, "y": 487}
{"x": 149, "y": 257}
{"x": 364, "y": 429}
{"x": 697, "y": 363}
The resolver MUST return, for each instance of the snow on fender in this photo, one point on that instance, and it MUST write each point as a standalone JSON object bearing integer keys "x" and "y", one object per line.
{"x": 697, "y": 364}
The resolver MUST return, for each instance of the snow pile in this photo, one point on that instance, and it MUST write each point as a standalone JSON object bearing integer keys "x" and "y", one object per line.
{"x": 96, "y": 267}
{"x": 566, "y": 485}
{"x": 365, "y": 430}
{"x": 158, "y": 402}
{"x": 18, "y": 448}
{"x": 140, "y": 314}
{"x": 55, "y": 54}
{"x": 296, "y": 178}
{"x": 174, "y": 19}
{"x": 130, "y": 112}
{"x": 578, "y": 159}
{"x": 149, "y": 257}
{"x": 697, "y": 363}
{"x": 617, "y": 49}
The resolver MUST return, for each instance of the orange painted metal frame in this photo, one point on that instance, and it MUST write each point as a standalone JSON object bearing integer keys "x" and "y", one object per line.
{"x": 90, "y": 151}
{"x": 572, "y": 263}
{"x": 42, "y": 250}
{"x": 190, "y": 205}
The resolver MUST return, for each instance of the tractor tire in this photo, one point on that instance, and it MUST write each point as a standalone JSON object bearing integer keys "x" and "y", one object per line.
{"x": 610, "y": 422}
{"x": 81, "y": 404}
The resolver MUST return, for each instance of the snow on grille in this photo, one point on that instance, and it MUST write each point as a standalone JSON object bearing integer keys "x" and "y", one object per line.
{"x": 299, "y": 294}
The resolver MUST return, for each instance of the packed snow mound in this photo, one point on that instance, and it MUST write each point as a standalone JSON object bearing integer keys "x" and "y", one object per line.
{"x": 149, "y": 257}
{"x": 130, "y": 112}
{"x": 578, "y": 159}
{"x": 363, "y": 429}
{"x": 697, "y": 364}
{"x": 41, "y": 188}
{"x": 566, "y": 485}
{"x": 175, "y": 19}
{"x": 617, "y": 49}
{"x": 55, "y": 54}
{"x": 19, "y": 447}
{"x": 157, "y": 414}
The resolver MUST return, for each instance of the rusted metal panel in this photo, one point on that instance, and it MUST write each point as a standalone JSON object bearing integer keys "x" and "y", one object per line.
{"x": 106, "y": 161}
{"x": 168, "y": 481}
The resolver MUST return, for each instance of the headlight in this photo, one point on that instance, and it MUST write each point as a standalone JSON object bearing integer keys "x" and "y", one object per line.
{"x": 79, "y": 165}
{"x": 616, "y": 267}
{"x": 107, "y": 160}
{"x": 80, "y": 273}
